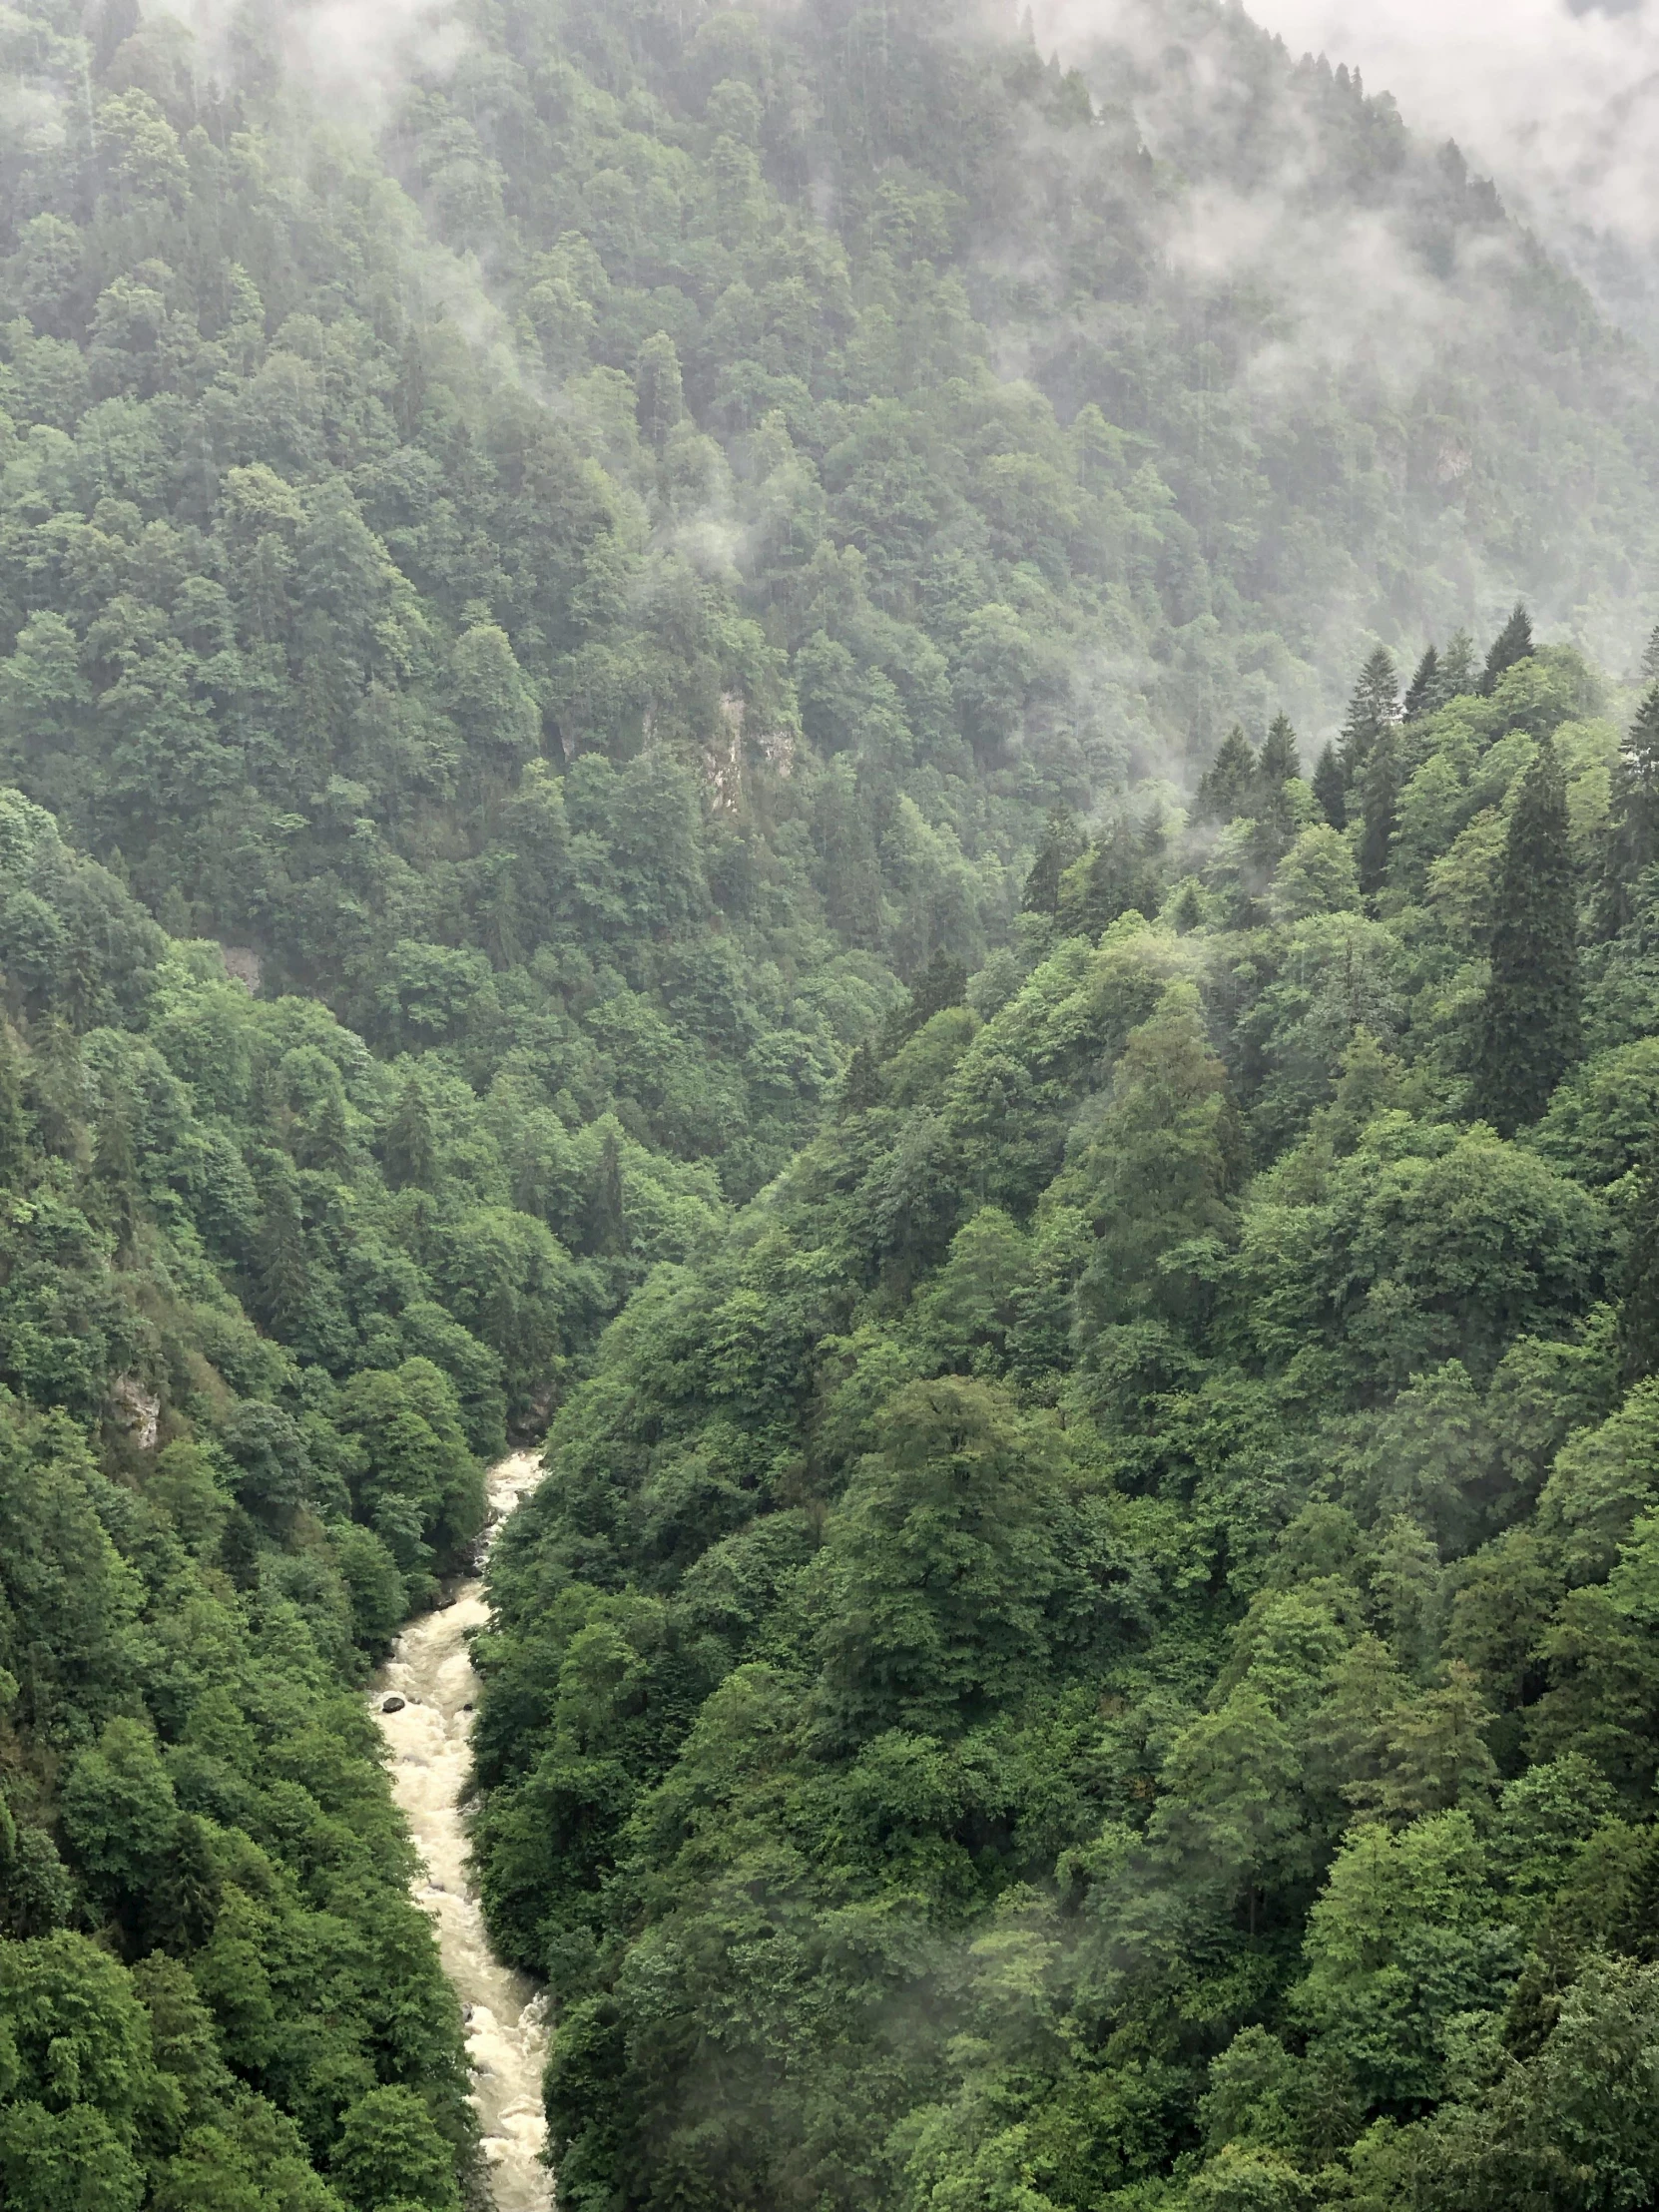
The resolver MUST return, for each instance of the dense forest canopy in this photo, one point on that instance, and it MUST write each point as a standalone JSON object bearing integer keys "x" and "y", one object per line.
{"x": 1100, "y": 1648}
{"x": 651, "y": 668}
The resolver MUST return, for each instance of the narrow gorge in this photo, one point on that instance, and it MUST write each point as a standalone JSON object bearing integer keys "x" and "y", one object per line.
{"x": 424, "y": 1700}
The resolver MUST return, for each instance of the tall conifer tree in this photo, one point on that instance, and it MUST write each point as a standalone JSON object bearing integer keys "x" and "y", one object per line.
{"x": 1639, "y": 1306}
{"x": 1373, "y": 707}
{"x": 1278, "y": 760}
{"x": 1633, "y": 846}
{"x": 1530, "y": 1028}
{"x": 1275, "y": 800}
{"x": 1224, "y": 787}
{"x": 281, "y": 1264}
{"x": 1380, "y": 801}
{"x": 1423, "y": 693}
{"x": 408, "y": 1141}
{"x": 1331, "y": 789}
{"x": 1513, "y": 643}
{"x": 1456, "y": 668}
{"x": 1062, "y": 842}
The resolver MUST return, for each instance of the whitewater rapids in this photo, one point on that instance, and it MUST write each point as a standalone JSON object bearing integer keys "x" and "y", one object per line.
{"x": 505, "y": 2015}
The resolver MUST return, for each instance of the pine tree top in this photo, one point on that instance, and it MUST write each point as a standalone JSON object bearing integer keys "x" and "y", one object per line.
{"x": 1224, "y": 783}
{"x": 1641, "y": 747}
{"x": 1513, "y": 643}
{"x": 1458, "y": 675}
{"x": 1280, "y": 759}
{"x": 1423, "y": 693}
{"x": 1331, "y": 789}
{"x": 1373, "y": 707}
{"x": 1061, "y": 842}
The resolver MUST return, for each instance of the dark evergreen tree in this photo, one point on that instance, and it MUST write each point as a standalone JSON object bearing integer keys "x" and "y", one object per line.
{"x": 14, "y": 1126}
{"x": 1120, "y": 877}
{"x": 861, "y": 1084}
{"x": 1062, "y": 842}
{"x": 852, "y": 871}
{"x": 407, "y": 1148}
{"x": 1373, "y": 707}
{"x": 1187, "y": 910}
{"x": 604, "y": 1225}
{"x": 1379, "y": 810}
{"x": 1456, "y": 671}
{"x": 1513, "y": 643}
{"x": 942, "y": 983}
{"x": 1650, "y": 657}
{"x": 280, "y": 1265}
{"x": 1331, "y": 789}
{"x": 1273, "y": 801}
{"x": 1279, "y": 762}
{"x": 1530, "y": 1024}
{"x": 1633, "y": 846}
{"x": 325, "y": 1141}
{"x": 1423, "y": 693}
{"x": 661, "y": 398}
{"x": 1225, "y": 786}
{"x": 1639, "y": 1287}
{"x": 114, "y": 1195}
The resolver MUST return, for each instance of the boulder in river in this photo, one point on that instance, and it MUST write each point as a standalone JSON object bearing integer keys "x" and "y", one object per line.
{"x": 391, "y": 1704}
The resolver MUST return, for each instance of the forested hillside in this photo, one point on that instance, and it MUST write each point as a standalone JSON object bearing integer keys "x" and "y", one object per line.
{"x": 647, "y": 781}
{"x": 1102, "y": 1648}
{"x": 608, "y": 577}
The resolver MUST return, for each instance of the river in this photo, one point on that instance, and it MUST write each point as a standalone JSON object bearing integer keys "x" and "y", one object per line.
{"x": 506, "y": 2026}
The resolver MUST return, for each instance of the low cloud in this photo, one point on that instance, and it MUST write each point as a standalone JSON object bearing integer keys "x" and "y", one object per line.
{"x": 1561, "y": 104}
{"x": 355, "y": 56}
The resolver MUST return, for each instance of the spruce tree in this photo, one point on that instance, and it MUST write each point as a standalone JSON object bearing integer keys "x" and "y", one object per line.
{"x": 1331, "y": 789}
{"x": 604, "y": 1228}
{"x": 1513, "y": 643}
{"x": 1225, "y": 786}
{"x": 325, "y": 1142}
{"x": 1373, "y": 707}
{"x": 1061, "y": 844}
{"x": 282, "y": 1267}
{"x": 1274, "y": 801}
{"x": 1380, "y": 801}
{"x": 115, "y": 1179}
{"x": 1120, "y": 877}
{"x": 1456, "y": 670}
{"x": 407, "y": 1148}
{"x": 1423, "y": 693}
{"x": 1280, "y": 761}
{"x": 1639, "y": 1287}
{"x": 1530, "y": 1026}
{"x": 861, "y": 1084}
{"x": 1650, "y": 657}
{"x": 661, "y": 398}
{"x": 14, "y": 1125}
{"x": 1633, "y": 846}
{"x": 942, "y": 983}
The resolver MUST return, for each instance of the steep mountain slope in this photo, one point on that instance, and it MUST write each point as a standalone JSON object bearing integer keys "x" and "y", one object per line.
{"x": 1096, "y": 1652}
{"x": 605, "y": 586}
{"x": 658, "y": 613}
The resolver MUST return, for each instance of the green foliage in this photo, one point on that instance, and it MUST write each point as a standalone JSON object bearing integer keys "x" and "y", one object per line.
{"x": 1530, "y": 1030}
{"x": 1099, "y": 1640}
{"x": 1088, "y": 1633}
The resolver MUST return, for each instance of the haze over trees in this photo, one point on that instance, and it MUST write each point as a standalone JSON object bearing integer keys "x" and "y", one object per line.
{"x": 650, "y": 788}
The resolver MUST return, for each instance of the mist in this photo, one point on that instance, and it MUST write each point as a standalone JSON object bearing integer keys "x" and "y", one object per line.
{"x": 1561, "y": 104}
{"x": 355, "y": 56}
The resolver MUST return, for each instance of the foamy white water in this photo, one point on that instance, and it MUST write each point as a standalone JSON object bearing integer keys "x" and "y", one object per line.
{"x": 506, "y": 2023}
